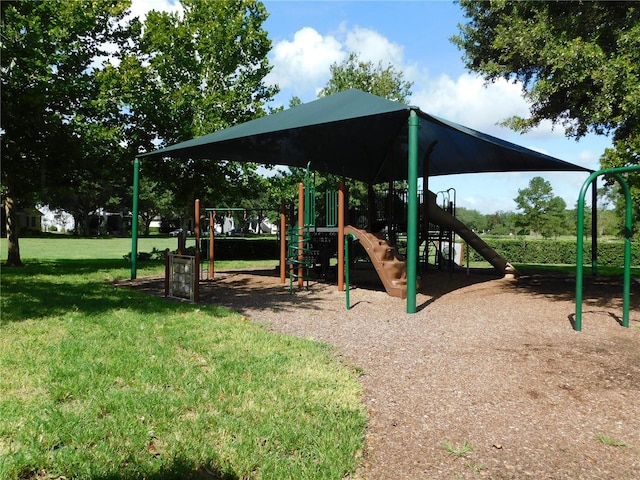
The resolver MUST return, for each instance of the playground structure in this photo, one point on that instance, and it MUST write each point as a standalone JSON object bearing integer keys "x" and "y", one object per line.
{"x": 308, "y": 245}
{"x": 311, "y": 238}
{"x": 359, "y": 136}
{"x": 311, "y": 243}
{"x": 183, "y": 273}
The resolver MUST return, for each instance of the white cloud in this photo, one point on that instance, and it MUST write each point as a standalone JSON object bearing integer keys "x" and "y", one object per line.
{"x": 468, "y": 101}
{"x": 140, "y": 8}
{"x": 302, "y": 65}
{"x": 589, "y": 159}
{"x": 374, "y": 47}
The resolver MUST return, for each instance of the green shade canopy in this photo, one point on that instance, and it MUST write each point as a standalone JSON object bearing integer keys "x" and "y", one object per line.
{"x": 364, "y": 137}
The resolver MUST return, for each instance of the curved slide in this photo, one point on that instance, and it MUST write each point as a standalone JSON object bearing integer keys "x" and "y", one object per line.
{"x": 391, "y": 268}
{"x": 444, "y": 219}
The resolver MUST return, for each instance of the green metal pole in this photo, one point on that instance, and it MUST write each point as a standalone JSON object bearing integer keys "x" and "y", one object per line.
{"x": 594, "y": 227}
{"x": 134, "y": 219}
{"x": 628, "y": 233}
{"x": 347, "y": 238}
{"x": 346, "y": 270}
{"x": 577, "y": 325}
{"x": 412, "y": 212}
{"x": 626, "y": 292}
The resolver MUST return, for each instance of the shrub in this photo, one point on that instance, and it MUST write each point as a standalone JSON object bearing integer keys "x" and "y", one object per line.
{"x": 558, "y": 251}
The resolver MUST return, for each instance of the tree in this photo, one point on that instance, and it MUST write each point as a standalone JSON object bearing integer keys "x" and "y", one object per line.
{"x": 578, "y": 64}
{"x": 384, "y": 82}
{"x": 49, "y": 92}
{"x": 191, "y": 74}
{"x": 626, "y": 152}
{"x": 541, "y": 211}
{"x": 473, "y": 219}
{"x": 501, "y": 223}
{"x": 354, "y": 73}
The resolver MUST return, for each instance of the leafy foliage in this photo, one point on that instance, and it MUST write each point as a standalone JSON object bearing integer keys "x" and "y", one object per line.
{"x": 557, "y": 252}
{"x": 473, "y": 219}
{"x": 55, "y": 113}
{"x": 542, "y": 212}
{"x": 578, "y": 63}
{"x": 192, "y": 74}
{"x": 99, "y": 90}
{"x": 355, "y": 73}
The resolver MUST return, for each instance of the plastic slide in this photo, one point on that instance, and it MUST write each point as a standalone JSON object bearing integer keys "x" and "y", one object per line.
{"x": 391, "y": 268}
{"x": 440, "y": 217}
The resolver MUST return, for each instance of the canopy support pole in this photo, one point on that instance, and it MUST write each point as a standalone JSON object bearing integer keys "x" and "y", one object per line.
{"x": 412, "y": 212}
{"x": 341, "y": 243}
{"x": 134, "y": 219}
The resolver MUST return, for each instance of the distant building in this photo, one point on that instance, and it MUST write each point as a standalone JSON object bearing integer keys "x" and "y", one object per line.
{"x": 56, "y": 220}
{"x": 29, "y": 219}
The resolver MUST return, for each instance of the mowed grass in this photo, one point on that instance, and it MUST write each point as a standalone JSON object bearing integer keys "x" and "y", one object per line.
{"x": 57, "y": 247}
{"x": 101, "y": 382}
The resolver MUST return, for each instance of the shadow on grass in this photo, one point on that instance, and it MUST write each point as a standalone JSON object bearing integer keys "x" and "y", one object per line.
{"x": 57, "y": 288}
{"x": 72, "y": 267}
{"x": 180, "y": 469}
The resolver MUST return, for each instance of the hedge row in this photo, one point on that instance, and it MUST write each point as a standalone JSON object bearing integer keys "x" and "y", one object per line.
{"x": 230, "y": 248}
{"x": 513, "y": 250}
{"x": 558, "y": 252}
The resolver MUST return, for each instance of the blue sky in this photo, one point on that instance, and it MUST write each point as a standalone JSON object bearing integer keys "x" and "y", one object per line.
{"x": 413, "y": 37}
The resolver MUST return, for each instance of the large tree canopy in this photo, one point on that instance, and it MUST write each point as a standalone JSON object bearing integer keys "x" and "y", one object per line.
{"x": 578, "y": 63}
{"x": 542, "y": 211}
{"x": 83, "y": 91}
{"x": 53, "y": 113}
{"x": 384, "y": 82}
{"x": 195, "y": 73}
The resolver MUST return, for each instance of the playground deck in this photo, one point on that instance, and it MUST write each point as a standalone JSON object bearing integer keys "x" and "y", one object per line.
{"x": 491, "y": 361}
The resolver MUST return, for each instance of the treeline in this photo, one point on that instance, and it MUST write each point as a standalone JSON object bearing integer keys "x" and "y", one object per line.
{"x": 542, "y": 214}
{"x": 503, "y": 223}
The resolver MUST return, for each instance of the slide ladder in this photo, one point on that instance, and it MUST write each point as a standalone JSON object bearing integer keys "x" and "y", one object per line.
{"x": 390, "y": 266}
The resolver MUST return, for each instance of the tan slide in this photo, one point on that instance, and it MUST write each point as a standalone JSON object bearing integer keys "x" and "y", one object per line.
{"x": 390, "y": 266}
{"x": 440, "y": 217}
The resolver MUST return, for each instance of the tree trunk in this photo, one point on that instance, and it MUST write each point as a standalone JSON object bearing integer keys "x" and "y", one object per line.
{"x": 13, "y": 231}
{"x": 85, "y": 232}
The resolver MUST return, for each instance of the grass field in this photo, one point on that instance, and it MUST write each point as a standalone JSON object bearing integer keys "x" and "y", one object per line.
{"x": 71, "y": 248}
{"x": 98, "y": 382}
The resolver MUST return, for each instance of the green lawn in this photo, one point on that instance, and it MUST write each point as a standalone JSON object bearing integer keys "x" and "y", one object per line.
{"x": 70, "y": 248}
{"x": 98, "y": 382}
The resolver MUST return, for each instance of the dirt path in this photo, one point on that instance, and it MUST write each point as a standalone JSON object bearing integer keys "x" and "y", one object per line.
{"x": 495, "y": 363}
